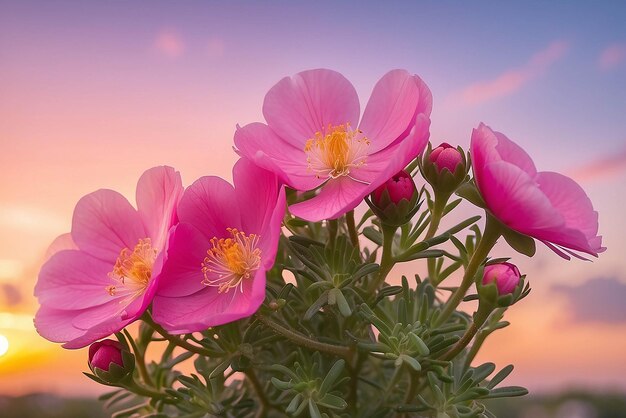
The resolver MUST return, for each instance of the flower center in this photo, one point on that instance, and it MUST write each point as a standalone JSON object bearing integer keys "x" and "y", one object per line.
{"x": 133, "y": 270}
{"x": 231, "y": 260}
{"x": 332, "y": 154}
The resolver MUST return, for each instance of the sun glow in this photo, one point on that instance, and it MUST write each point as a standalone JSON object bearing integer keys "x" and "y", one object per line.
{"x": 4, "y": 345}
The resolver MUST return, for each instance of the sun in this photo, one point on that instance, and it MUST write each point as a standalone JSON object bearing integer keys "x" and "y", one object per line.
{"x": 4, "y": 345}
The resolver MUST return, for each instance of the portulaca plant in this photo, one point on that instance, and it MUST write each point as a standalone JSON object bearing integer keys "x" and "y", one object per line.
{"x": 271, "y": 298}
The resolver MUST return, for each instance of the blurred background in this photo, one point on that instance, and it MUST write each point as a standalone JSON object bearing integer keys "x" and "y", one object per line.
{"x": 92, "y": 94}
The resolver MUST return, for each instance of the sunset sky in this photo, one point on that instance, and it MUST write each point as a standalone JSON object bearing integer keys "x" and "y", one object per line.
{"x": 92, "y": 94}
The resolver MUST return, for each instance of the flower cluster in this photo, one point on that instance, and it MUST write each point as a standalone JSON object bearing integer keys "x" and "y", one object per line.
{"x": 210, "y": 258}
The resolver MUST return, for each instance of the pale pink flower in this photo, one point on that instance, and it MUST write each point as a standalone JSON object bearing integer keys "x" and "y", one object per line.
{"x": 505, "y": 275}
{"x": 544, "y": 205}
{"x": 313, "y": 138}
{"x": 105, "y": 276}
{"x": 219, "y": 253}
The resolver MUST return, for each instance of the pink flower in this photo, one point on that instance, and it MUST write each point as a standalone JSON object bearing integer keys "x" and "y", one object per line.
{"x": 547, "y": 206}
{"x": 103, "y": 353}
{"x": 105, "y": 276}
{"x": 446, "y": 156}
{"x": 400, "y": 186}
{"x": 505, "y": 275}
{"x": 219, "y": 253}
{"x": 311, "y": 138}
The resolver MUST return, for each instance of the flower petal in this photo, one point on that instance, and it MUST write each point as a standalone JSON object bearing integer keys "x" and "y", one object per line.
{"x": 182, "y": 272}
{"x": 335, "y": 198}
{"x": 210, "y": 205}
{"x": 257, "y": 142}
{"x": 297, "y": 107}
{"x": 159, "y": 190}
{"x": 208, "y": 307}
{"x": 257, "y": 192}
{"x": 56, "y": 325}
{"x": 391, "y": 109}
{"x": 104, "y": 223}
{"x": 514, "y": 198}
{"x": 73, "y": 279}
{"x": 488, "y": 146}
{"x": 581, "y": 221}
{"x": 60, "y": 243}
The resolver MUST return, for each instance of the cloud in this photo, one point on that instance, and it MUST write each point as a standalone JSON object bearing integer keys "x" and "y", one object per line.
{"x": 596, "y": 300}
{"x": 612, "y": 56}
{"x": 169, "y": 43}
{"x": 12, "y": 295}
{"x": 514, "y": 79}
{"x": 604, "y": 166}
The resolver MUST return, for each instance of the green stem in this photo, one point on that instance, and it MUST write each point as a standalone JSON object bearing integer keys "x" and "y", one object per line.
{"x": 488, "y": 240}
{"x": 260, "y": 393}
{"x": 441, "y": 200}
{"x": 140, "y": 360}
{"x": 175, "y": 340}
{"x": 304, "y": 341}
{"x": 143, "y": 391}
{"x": 352, "y": 231}
{"x": 333, "y": 227}
{"x": 480, "y": 317}
{"x": 386, "y": 261}
{"x": 480, "y": 339}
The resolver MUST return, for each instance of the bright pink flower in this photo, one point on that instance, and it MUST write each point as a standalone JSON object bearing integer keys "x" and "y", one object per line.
{"x": 446, "y": 156}
{"x": 400, "y": 186}
{"x": 105, "y": 276}
{"x": 547, "y": 206}
{"x": 313, "y": 136}
{"x": 506, "y": 276}
{"x": 105, "y": 352}
{"x": 219, "y": 253}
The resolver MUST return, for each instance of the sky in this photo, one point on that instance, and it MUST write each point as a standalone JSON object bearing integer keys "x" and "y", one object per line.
{"x": 94, "y": 93}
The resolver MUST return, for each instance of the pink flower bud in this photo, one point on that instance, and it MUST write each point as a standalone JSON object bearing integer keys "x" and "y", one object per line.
{"x": 446, "y": 156}
{"x": 506, "y": 276}
{"x": 105, "y": 352}
{"x": 400, "y": 186}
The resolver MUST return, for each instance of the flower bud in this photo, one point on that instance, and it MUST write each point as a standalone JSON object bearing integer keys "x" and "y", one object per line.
{"x": 105, "y": 352}
{"x": 110, "y": 361}
{"x": 444, "y": 167}
{"x": 396, "y": 200}
{"x": 505, "y": 275}
{"x": 446, "y": 156}
{"x": 401, "y": 186}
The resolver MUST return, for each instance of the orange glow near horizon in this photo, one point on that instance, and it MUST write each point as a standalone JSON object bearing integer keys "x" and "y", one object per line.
{"x": 94, "y": 93}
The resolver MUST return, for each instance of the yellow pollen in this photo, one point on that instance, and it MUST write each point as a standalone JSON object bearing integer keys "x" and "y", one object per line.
{"x": 133, "y": 270}
{"x": 231, "y": 260}
{"x": 334, "y": 153}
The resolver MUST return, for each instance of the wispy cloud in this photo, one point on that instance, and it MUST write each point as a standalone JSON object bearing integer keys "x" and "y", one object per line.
{"x": 612, "y": 56}
{"x": 604, "y": 166}
{"x": 596, "y": 300}
{"x": 513, "y": 79}
{"x": 169, "y": 43}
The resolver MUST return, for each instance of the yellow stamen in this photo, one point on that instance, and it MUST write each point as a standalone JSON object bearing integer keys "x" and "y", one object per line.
{"x": 133, "y": 270}
{"x": 333, "y": 153}
{"x": 231, "y": 260}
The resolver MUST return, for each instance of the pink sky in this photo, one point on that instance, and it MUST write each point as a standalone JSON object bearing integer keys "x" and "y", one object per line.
{"x": 92, "y": 95}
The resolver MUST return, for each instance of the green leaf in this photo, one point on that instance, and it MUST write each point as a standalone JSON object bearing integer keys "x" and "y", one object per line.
{"x": 332, "y": 376}
{"x": 500, "y": 376}
{"x": 469, "y": 192}
{"x": 342, "y": 304}
{"x": 523, "y": 244}
{"x": 332, "y": 402}
{"x": 506, "y": 392}
{"x": 373, "y": 235}
{"x": 314, "y": 411}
